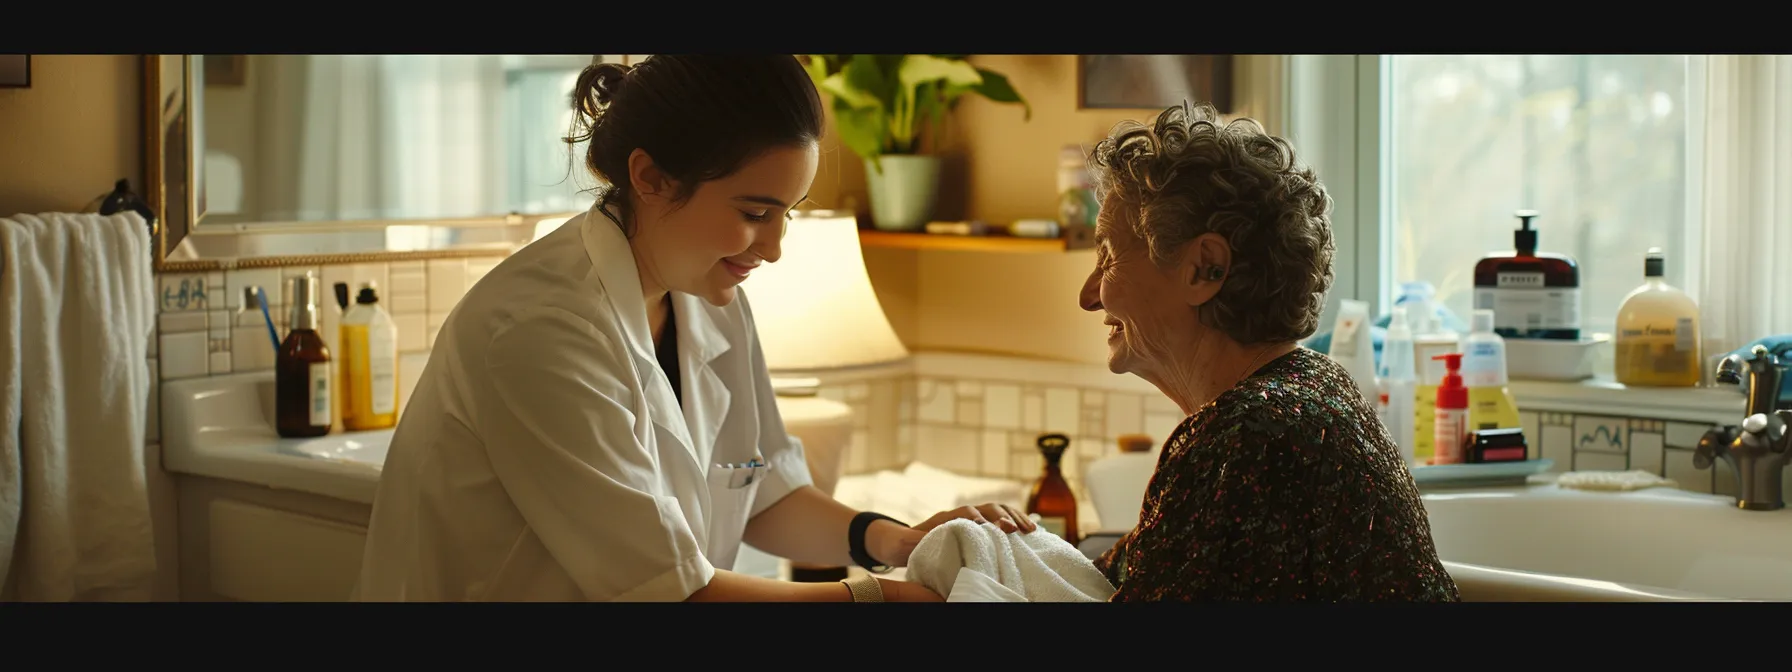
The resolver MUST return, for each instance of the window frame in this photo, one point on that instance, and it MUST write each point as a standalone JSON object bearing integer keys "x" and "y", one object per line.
{"x": 1335, "y": 105}
{"x": 1337, "y": 121}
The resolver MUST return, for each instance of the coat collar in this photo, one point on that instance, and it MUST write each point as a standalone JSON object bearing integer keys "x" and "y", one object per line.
{"x": 700, "y": 338}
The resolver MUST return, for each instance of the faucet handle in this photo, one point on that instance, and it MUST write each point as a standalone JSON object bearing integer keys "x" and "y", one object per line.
{"x": 1755, "y": 424}
{"x": 1713, "y": 444}
{"x": 1768, "y": 425}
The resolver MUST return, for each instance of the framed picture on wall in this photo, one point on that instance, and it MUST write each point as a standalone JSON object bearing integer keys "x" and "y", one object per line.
{"x": 226, "y": 70}
{"x": 15, "y": 71}
{"x": 1153, "y": 81}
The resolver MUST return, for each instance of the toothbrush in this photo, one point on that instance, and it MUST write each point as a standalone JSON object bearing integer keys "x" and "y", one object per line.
{"x": 261, "y": 297}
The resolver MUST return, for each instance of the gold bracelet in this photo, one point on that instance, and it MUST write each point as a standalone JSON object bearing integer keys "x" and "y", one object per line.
{"x": 865, "y": 589}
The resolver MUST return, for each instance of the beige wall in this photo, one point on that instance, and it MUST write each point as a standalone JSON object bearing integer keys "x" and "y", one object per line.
{"x": 999, "y": 168}
{"x": 78, "y": 129}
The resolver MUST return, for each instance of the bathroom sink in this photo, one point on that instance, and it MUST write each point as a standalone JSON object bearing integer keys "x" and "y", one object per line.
{"x": 1660, "y": 541}
{"x": 221, "y": 427}
{"x": 361, "y": 448}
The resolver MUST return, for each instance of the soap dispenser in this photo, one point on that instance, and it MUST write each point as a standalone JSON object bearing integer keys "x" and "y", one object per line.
{"x": 1450, "y": 427}
{"x": 1532, "y": 294}
{"x": 303, "y": 407}
{"x": 1657, "y": 343}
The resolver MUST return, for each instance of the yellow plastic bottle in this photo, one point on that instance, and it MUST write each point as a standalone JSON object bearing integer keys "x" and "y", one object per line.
{"x": 1432, "y": 342}
{"x": 369, "y": 364}
{"x": 1490, "y": 402}
{"x": 1657, "y": 343}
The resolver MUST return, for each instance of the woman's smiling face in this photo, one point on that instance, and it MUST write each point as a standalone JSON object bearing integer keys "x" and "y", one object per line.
{"x": 708, "y": 244}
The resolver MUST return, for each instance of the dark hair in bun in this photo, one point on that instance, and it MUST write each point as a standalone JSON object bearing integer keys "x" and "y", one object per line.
{"x": 700, "y": 116}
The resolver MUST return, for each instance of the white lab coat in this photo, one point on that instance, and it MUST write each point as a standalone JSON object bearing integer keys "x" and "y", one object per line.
{"x": 543, "y": 456}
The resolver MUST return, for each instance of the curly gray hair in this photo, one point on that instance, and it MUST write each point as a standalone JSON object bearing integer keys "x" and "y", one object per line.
{"x": 1188, "y": 174}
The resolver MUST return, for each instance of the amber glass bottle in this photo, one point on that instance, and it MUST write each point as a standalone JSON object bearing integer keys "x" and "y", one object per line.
{"x": 302, "y": 405}
{"x": 1051, "y": 499}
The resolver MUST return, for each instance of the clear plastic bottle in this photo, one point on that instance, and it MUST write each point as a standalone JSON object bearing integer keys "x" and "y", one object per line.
{"x": 1401, "y": 382}
{"x": 1490, "y": 402}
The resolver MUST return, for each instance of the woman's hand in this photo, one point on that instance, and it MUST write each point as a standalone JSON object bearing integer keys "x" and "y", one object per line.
{"x": 893, "y": 543}
{"x": 1002, "y": 515}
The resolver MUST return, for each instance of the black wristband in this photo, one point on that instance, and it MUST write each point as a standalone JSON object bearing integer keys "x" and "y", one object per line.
{"x": 855, "y": 541}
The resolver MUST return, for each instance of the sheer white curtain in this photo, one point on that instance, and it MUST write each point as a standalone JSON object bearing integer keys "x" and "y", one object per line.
{"x": 1744, "y": 208}
{"x": 402, "y": 135}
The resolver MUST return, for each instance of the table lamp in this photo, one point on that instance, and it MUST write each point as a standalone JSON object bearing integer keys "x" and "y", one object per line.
{"x": 816, "y": 312}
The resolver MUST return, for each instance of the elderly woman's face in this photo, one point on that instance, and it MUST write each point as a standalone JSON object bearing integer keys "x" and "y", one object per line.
{"x": 1145, "y": 306}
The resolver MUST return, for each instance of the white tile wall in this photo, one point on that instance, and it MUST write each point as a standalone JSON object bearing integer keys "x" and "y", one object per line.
{"x": 985, "y": 424}
{"x": 206, "y": 328}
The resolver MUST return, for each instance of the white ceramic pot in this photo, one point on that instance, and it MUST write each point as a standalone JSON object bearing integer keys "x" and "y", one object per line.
{"x": 903, "y": 192}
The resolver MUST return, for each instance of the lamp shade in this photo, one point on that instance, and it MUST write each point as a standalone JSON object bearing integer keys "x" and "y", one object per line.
{"x": 815, "y": 308}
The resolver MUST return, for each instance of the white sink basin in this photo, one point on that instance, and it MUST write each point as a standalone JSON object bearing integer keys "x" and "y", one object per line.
{"x": 1661, "y": 541}
{"x": 362, "y": 448}
{"x": 221, "y": 427}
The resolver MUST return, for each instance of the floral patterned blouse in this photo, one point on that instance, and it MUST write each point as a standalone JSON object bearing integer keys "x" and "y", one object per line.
{"x": 1285, "y": 488}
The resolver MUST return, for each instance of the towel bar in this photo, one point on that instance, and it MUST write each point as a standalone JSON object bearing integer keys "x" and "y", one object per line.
{"x": 121, "y": 198}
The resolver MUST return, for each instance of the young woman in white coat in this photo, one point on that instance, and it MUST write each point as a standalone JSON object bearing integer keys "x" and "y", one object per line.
{"x": 596, "y": 421}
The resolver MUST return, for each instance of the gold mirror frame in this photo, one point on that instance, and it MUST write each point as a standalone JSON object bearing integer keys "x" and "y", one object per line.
{"x": 171, "y": 174}
{"x": 165, "y": 105}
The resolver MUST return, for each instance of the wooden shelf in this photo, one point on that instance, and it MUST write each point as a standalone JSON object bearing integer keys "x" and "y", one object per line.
{"x": 931, "y": 241}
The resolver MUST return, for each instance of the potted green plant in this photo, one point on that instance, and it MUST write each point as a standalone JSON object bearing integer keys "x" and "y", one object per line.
{"x": 886, "y": 106}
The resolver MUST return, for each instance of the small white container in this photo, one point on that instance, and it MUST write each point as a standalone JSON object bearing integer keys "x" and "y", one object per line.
{"x": 1116, "y": 484}
{"x": 1552, "y": 359}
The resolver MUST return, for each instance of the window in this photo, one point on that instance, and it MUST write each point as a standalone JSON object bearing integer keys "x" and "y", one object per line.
{"x": 1597, "y": 145}
{"x": 1427, "y": 157}
{"x": 546, "y": 177}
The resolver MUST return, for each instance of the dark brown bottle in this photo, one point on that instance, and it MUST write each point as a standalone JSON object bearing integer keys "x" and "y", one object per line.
{"x": 302, "y": 407}
{"x": 1051, "y": 499}
{"x": 1532, "y": 294}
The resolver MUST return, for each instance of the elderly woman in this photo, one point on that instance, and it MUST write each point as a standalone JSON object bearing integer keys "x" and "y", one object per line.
{"x": 1213, "y": 257}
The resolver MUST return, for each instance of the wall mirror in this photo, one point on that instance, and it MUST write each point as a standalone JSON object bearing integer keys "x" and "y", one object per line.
{"x": 253, "y": 159}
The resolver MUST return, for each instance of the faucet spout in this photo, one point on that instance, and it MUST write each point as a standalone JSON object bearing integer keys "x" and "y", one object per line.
{"x": 1714, "y": 445}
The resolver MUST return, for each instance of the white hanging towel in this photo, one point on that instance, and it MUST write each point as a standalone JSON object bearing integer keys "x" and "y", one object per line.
{"x": 77, "y": 308}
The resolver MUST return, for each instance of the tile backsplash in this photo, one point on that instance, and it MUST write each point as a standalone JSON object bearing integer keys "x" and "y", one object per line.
{"x": 979, "y": 415}
{"x": 205, "y": 329}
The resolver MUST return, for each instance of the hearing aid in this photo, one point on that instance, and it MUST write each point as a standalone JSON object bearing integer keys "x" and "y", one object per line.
{"x": 1215, "y": 272}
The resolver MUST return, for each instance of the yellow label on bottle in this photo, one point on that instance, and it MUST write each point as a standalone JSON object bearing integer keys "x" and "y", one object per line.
{"x": 369, "y": 377}
{"x": 1424, "y": 422}
{"x": 1658, "y": 354}
{"x": 1053, "y": 524}
{"x": 1491, "y": 408}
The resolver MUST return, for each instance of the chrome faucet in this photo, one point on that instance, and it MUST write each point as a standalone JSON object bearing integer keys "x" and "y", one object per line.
{"x": 1758, "y": 450}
